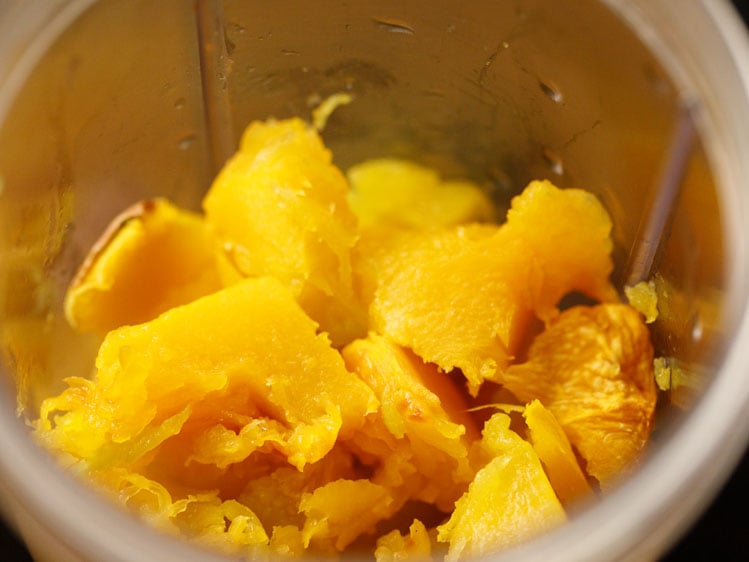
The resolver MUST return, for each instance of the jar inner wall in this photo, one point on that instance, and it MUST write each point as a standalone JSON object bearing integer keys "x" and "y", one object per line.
{"x": 120, "y": 108}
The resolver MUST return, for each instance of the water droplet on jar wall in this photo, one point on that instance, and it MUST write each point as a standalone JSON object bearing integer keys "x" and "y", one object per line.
{"x": 186, "y": 142}
{"x": 697, "y": 327}
{"x": 179, "y": 103}
{"x": 551, "y": 91}
{"x": 236, "y": 28}
{"x": 394, "y": 26}
{"x": 554, "y": 161}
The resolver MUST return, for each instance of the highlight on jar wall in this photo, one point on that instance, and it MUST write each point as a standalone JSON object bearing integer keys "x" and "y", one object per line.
{"x": 387, "y": 280}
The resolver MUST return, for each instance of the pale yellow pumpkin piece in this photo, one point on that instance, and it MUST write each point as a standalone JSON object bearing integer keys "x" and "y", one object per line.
{"x": 145, "y": 497}
{"x": 152, "y": 257}
{"x": 415, "y": 546}
{"x": 279, "y": 208}
{"x": 222, "y": 446}
{"x": 202, "y": 517}
{"x": 593, "y": 369}
{"x": 400, "y": 193}
{"x": 509, "y": 501}
{"x": 556, "y": 454}
{"x": 275, "y": 498}
{"x": 287, "y": 542}
{"x": 462, "y": 298}
{"x": 643, "y": 297}
{"x": 225, "y": 525}
{"x": 339, "y": 512}
{"x": 228, "y": 356}
{"x": 390, "y": 461}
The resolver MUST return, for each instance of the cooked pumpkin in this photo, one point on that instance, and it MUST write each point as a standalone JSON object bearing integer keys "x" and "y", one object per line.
{"x": 509, "y": 501}
{"x": 279, "y": 209}
{"x": 152, "y": 245}
{"x": 490, "y": 285}
{"x": 593, "y": 369}
{"x": 305, "y": 368}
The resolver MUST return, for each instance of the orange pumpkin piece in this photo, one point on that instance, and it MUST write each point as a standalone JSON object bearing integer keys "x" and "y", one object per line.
{"x": 151, "y": 258}
{"x": 429, "y": 430}
{"x": 462, "y": 298}
{"x": 509, "y": 501}
{"x": 279, "y": 208}
{"x": 415, "y": 546}
{"x": 255, "y": 362}
{"x": 400, "y": 193}
{"x": 383, "y": 249}
{"x": 556, "y": 454}
{"x": 568, "y": 234}
{"x": 593, "y": 369}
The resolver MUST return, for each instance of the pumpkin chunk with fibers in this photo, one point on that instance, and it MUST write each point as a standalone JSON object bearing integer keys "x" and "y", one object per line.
{"x": 337, "y": 513}
{"x": 202, "y": 517}
{"x": 415, "y": 546}
{"x": 462, "y": 299}
{"x": 509, "y": 501}
{"x": 276, "y": 497}
{"x": 556, "y": 454}
{"x": 400, "y": 193}
{"x": 244, "y": 357}
{"x": 227, "y": 525}
{"x": 382, "y": 250}
{"x": 568, "y": 234}
{"x": 421, "y": 434}
{"x": 152, "y": 257}
{"x": 279, "y": 208}
{"x": 593, "y": 369}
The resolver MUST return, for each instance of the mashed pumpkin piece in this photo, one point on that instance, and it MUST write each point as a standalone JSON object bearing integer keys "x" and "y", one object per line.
{"x": 400, "y": 193}
{"x": 592, "y": 368}
{"x": 556, "y": 454}
{"x": 308, "y": 372}
{"x": 509, "y": 501}
{"x": 279, "y": 209}
{"x": 276, "y": 497}
{"x": 415, "y": 546}
{"x": 489, "y": 286}
{"x": 153, "y": 244}
{"x": 202, "y": 517}
{"x": 420, "y": 437}
{"x": 338, "y": 512}
{"x": 644, "y": 298}
{"x": 256, "y": 352}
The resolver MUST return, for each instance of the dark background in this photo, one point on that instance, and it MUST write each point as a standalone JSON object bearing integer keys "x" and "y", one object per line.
{"x": 722, "y": 533}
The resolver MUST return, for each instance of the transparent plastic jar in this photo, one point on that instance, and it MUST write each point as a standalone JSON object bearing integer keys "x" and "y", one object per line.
{"x": 644, "y": 102}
